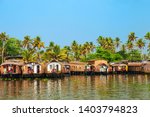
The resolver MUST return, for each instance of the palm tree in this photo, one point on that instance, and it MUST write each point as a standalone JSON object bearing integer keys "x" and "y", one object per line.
{"x": 75, "y": 47}
{"x": 3, "y": 37}
{"x": 28, "y": 49}
{"x": 37, "y": 45}
{"x": 129, "y": 45}
{"x": 147, "y": 36}
{"x": 67, "y": 50}
{"x": 57, "y": 53}
{"x": 26, "y": 43}
{"x": 117, "y": 42}
{"x": 50, "y": 47}
{"x": 132, "y": 37}
{"x": 100, "y": 40}
{"x": 148, "y": 48}
{"x": 106, "y": 43}
{"x": 54, "y": 52}
{"x": 28, "y": 56}
{"x": 140, "y": 43}
{"x": 92, "y": 46}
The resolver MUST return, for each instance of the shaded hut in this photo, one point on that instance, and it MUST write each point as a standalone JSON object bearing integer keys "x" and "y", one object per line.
{"x": 135, "y": 67}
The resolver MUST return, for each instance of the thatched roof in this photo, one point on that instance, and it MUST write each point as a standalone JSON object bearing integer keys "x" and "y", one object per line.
{"x": 77, "y": 62}
{"x": 13, "y": 57}
{"x": 135, "y": 64}
{"x": 118, "y": 64}
{"x": 12, "y": 63}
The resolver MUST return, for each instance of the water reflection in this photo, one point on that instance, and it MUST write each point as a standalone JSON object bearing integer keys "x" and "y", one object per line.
{"x": 78, "y": 87}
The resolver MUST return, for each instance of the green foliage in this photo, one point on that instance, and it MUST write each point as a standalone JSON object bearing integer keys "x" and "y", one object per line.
{"x": 13, "y": 47}
{"x": 104, "y": 54}
{"x": 110, "y": 49}
{"x": 134, "y": 55}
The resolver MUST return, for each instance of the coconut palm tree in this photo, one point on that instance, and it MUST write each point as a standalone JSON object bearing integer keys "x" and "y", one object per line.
{"x": 57, "y": 53}
{"x": 54, "y": 52}
{"x": 147, "y": 36}
{"x": 101, "y": 40}
{"x": 75, "y": 47}
{"x": 106, "y": 43}
{"x": 37, "y": 45}
{"x": 129, "y": 45}
{"x": 4, "y": 38}
{"x": 27, "y": 42}
{"x": 148, "y": 48}
{"x": 117, "y": 42}
{"x": 28, "y": 49}
{"x": 132, "y": 37}
{"x": 92, "y": 46}
{"x": 50, "y": 47}
{"x": 28, "y": 55}
{"x": 140, "y": 43}
{"x": 67, "y": 50}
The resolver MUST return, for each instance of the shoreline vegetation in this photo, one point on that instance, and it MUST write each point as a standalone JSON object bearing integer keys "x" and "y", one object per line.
{"x": 107, "y": 48}
{"x": 112, "y": 55}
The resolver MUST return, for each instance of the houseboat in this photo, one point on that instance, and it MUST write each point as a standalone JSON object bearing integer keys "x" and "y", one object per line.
{"x": 135, "y": 67}
{"x": 119, "y": 67}
{"x": 33, "y": 69}
{"x": 55, "y": 69}
{"x": 12, "y": 67}
{"x": 77, "y": 68}
{"x": 146, "y": 67}
{"x": 96, "y": 67}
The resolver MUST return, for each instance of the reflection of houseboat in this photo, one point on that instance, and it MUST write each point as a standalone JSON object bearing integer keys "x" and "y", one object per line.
{"x": 119, "y": 67}
{"x": 96, "y": 67}
{"x": 77, "y": 67}
{"x": 12, "y": 67}
{"x": 135, "y": 67}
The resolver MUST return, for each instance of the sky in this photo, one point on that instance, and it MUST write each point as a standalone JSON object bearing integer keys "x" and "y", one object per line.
{"x": 63, "y": 21}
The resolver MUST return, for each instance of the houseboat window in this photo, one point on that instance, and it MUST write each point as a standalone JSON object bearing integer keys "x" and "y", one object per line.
{"x": 38, "y": 69}
{"x": 50, "y": 66}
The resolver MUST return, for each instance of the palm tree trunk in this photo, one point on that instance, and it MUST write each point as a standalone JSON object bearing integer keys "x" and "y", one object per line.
{"x": 3, "y": 52}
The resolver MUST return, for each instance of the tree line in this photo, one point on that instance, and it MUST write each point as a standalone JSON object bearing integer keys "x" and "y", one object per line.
{"x": 34, "y": 50}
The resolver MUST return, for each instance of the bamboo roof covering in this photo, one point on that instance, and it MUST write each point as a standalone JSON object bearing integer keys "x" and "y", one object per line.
{"x": 12, "y": 63}
{"x": 135, "y": 64}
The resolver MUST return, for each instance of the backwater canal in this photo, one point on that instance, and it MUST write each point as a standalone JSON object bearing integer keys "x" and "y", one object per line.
{"x": 110, "y": 87}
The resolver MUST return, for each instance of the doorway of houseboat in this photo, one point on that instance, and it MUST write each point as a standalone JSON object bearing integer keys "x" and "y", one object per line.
{"x": 38, "y": 69}
{"x": 57, "y": 68}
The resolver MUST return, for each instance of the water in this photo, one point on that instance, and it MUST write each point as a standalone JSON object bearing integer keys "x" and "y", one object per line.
{"x": 77, "y": 88}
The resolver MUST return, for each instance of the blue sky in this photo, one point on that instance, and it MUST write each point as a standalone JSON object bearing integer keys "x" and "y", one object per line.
{"x": 63, "y": 21}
